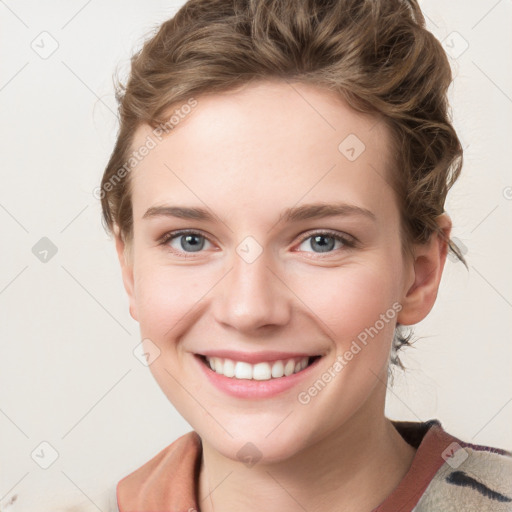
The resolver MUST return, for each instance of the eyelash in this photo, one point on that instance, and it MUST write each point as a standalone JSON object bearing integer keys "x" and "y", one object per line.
{"x": 348, "y": 242}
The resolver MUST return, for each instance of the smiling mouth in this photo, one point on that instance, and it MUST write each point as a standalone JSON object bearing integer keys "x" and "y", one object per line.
{"x": 259, "y": 371}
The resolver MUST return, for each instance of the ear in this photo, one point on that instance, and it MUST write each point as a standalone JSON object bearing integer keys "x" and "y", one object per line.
{"x": 427, "y": 269}
{"x": 124, "y": 254}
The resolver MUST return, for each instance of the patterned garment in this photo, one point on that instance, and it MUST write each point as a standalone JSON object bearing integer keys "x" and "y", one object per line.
{"x": 446, "y": 475}
{"x": 475, "y": 478}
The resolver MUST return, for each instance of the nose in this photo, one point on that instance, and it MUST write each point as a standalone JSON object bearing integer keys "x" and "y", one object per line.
{"x": 252, "y": 296}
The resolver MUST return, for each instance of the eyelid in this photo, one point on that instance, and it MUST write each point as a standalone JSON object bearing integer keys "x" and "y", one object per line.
{"x": 177, "y": 232}
{"x": 348, "y": 241}
{"x": 171, "y": 235}
{"x": 330, "y": 232}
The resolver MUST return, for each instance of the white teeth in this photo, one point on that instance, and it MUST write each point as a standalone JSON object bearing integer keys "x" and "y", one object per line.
{"x": 229, "y": 368}
{"x": 278, "y": 369}
{"x": 258, "y": 371}
{"x": 261, "y": 371}
{"x": 243, "y": 370}
{"x": 289, "y": 367}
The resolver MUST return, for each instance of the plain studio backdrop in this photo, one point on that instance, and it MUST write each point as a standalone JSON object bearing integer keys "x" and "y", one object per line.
{"x": 74, "y": 398}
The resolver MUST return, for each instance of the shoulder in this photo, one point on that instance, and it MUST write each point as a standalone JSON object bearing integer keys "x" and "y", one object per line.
{"x": 177, "y": 463}
{"x": 473, "y": 478}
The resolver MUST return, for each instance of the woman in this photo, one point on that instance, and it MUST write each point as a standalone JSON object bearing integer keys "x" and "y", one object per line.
{"x": 277, "y": 196}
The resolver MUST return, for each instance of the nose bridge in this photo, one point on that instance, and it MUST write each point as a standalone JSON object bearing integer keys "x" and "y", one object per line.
{"x": 252, "y": 295}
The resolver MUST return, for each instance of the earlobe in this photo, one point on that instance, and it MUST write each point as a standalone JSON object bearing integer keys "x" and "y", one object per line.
{"x": 123, "y": 252}
{"x": 428, "y": 265}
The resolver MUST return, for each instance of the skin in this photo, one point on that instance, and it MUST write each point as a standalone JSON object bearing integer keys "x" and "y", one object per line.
{"x": 247, "y": 156}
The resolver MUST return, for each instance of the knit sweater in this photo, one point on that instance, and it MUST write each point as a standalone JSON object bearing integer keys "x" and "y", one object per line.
{"x": 446, "y": 475}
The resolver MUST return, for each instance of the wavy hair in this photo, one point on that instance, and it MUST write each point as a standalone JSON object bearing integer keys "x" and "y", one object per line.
{"x": 376, "y": 54}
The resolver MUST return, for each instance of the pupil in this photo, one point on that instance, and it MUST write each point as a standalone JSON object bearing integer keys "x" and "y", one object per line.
{"x": 189, "y": 240}
{"x": 323, "y": 247}
{"x": 319, "y": 240}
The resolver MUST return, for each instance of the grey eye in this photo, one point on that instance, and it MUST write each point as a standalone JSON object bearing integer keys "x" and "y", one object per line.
{"x": 189, "y": 242}
{"x": 320, "y": 243}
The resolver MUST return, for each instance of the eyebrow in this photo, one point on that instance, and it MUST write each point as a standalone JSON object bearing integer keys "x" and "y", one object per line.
{"x": 294, "y": 214}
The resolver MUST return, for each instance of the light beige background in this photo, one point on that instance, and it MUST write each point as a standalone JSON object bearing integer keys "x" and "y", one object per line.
{"x": 68, "y": 375}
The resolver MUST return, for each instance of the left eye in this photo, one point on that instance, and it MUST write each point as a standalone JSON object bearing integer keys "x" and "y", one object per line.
{"x": 192, "y": 241}
{"x": 325, "y": 242}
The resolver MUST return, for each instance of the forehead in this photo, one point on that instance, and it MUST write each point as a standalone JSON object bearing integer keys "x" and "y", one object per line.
{"x": 265, "y": 144}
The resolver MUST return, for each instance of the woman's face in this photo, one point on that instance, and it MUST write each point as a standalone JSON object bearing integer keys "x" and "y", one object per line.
{"x": 266, "y": 277}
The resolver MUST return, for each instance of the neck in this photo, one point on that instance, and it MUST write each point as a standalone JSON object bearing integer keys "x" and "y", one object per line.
{"x": 353, "y": 468}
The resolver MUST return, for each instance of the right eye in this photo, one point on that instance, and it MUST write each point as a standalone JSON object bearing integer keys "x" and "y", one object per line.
{"x": 184, "y": 241}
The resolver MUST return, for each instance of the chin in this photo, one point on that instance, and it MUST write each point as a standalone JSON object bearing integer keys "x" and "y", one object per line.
{"x": 255, "y": 445}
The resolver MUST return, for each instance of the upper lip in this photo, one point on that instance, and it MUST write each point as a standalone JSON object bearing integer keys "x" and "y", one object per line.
{"x": 255, "y": 357}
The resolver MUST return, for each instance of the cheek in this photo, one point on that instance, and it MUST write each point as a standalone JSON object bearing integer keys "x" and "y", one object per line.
{"x": 168, "y": 299}
{"x": 350, "y": 299}
{"x": 165, "y": 296}
{"x": 343, "y": 301}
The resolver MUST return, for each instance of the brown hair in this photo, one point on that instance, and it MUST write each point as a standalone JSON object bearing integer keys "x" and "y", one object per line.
{"x": 376, "y": 54}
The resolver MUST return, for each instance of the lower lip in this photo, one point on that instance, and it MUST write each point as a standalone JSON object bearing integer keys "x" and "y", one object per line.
{"x": 246, "y": 388}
